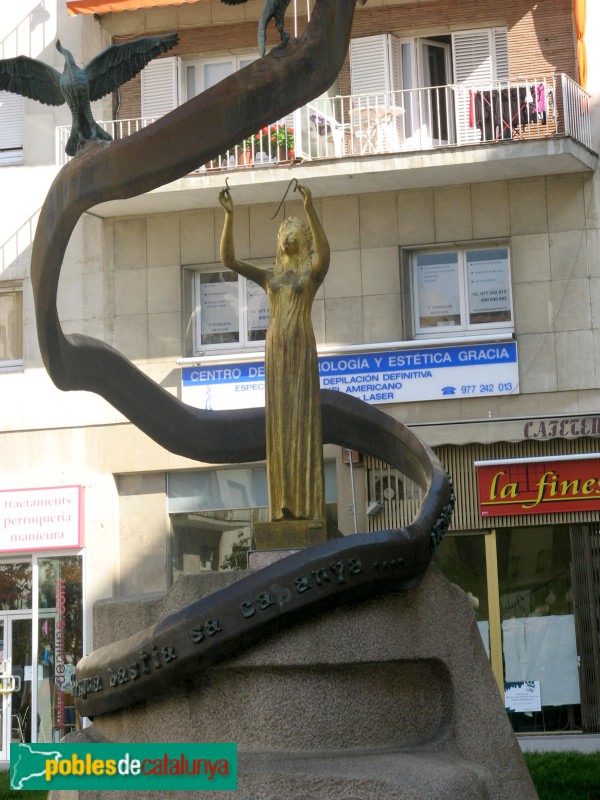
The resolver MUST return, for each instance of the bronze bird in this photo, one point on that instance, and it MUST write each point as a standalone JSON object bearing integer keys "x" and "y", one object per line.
{"x": 79, "y": 86}
{"x": 272, "y": 9}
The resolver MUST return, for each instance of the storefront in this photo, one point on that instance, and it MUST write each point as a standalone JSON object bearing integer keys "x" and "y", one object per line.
{"x": 525, "y": 546}
{"x": 41, "y": 612}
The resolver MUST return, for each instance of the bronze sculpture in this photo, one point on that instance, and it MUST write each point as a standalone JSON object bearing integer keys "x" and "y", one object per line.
{"x": 272, "y": 9}
{"x": 321, "y": 576}
{"x": 78, "y": 86}
{"x": 292, "y": 389}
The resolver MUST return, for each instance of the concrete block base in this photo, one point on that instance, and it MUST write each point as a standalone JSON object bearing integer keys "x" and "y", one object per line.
{"x": 389, "y": 699}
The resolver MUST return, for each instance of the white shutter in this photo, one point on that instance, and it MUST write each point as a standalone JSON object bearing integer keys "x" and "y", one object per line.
{"x": 500, "y": 50}
{"x": 160, "y": 82}
{"x": 394, "y": 63}
{"x": 479, "y": 58}
{"x": 472, "y": 57}
{"x": 374, "y": 64}
{"x": 11, "y": 121}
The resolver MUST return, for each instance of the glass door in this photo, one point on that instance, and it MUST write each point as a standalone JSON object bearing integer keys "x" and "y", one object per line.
{"x": 60, "y": 643}
{"x": 16, "y": 681}
{"x": 435, "y": 71}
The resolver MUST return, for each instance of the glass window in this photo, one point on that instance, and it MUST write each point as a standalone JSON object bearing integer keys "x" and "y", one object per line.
{"x": 15, "y": 586}
{"x": 201, "y": 75}
{"x": 458, "y": 291}
{"x": 538, "y": 624}
{"x": 11, "y": 325}
{"x": 212, "y": 512}
{"x": 437, "y": 290}
{"x": 229, "y": 311}
{"x": 462, "y": 560}
{"x": 488, "y": 282}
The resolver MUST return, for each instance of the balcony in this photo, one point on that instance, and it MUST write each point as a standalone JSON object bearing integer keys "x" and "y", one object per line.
{"x": 394, "y": 140}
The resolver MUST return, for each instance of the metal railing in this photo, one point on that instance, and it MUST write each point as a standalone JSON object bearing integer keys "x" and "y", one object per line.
{"x": 408, "y": 120}
{"x": 118, "y": 129}
{"x": 412, "y": 120}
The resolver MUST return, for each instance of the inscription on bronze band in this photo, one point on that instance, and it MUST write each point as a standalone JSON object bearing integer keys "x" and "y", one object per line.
{"x": 259, "y": 603}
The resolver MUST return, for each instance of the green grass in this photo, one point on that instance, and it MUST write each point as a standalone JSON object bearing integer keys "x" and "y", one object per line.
{"x": 5, "y": 792}
{"x": 557, "y": 776}
{"x": 565, "y": 776}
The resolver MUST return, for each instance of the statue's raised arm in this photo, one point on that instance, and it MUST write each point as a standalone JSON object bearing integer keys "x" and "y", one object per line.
{"x": 321, "y": 245}
{"x": 251, "y": 271}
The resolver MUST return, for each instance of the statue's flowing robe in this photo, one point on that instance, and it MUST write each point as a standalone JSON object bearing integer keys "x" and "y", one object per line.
{"x": 293, "y": 407}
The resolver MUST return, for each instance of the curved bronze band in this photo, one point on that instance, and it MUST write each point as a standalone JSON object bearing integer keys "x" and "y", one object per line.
{"x": 337, "y": 571}
{"x": 226, "y": 622}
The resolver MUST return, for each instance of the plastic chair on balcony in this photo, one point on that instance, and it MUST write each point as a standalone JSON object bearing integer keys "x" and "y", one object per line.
{"x": 327, "y": 134}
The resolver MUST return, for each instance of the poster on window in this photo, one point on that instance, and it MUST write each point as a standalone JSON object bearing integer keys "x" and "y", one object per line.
{"x": 219, "y": 305}
{"x": 489, "y": 283}
{"x": 438, "y": 287}
{"x": 522, "y": 696}
{"x": 258, "y": 307}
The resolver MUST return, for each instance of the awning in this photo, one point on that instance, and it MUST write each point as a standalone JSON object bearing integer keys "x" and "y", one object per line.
{"x": 579, "y": 16}
{"x": 105, "y": 6}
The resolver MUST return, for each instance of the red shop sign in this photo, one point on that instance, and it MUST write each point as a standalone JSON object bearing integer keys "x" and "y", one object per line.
{"x": 539, "y": 487}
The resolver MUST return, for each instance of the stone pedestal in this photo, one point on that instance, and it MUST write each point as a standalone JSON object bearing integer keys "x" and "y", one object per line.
{"x": 389, "y": 699}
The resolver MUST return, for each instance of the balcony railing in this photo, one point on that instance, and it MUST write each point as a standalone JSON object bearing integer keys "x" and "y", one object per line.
{"x": 404, "y": 121}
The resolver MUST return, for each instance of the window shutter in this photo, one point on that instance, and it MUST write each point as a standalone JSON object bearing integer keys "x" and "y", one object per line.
{"x": 479, "y": 57}
{"x": 11, "y": 122}
{"x": 472, "y": 57}
{"x": 371, "y": 64}
{"x": 160, "y": 87}
{"x": 500, "y": 40}
{"x": 394, "y": 62}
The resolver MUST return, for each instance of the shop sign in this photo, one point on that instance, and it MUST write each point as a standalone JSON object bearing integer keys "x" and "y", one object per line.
{"x": 396, "y": 376}
{"x": 561, "y": 428}
{"x": 41, "y": 519}
{"x": 539, "y": 486}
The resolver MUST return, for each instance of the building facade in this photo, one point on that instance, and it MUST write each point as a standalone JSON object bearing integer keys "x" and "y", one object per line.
{"x": 454, "y": 168}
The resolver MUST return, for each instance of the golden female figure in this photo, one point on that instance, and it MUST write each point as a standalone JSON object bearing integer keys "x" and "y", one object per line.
{"x": 293, "y": 406}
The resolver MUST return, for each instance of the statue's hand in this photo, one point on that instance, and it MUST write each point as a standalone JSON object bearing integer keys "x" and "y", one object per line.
{"x": 306, "y": 194}
{"x": 226, "y": 200}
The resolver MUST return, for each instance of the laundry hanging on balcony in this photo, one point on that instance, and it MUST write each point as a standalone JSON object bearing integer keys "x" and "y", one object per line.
{"x": 106, "y": 6}
{"x": 498, "y": 113}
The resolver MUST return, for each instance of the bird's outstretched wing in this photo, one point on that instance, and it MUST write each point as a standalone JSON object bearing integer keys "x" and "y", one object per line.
{"x": 31, "y": 78}
{"x": 119, "y": 63}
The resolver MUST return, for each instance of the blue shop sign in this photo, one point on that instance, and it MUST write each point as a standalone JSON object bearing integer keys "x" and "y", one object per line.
{"x": 394, "y": 376}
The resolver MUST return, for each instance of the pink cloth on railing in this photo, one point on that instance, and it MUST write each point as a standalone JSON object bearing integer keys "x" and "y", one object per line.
{"x": 540, "y": 98}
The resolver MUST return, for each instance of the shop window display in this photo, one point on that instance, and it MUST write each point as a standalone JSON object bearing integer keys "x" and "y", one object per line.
{"x": 538, "y": 625}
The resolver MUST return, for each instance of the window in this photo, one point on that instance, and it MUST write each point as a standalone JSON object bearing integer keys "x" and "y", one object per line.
{"x": 456, "y": 291}
{"x": 229, "y": 311}
{"x": 201, "y": 75}
{"x": 11, "y": 326}
{"x": 167, "y": 82}
{"x": 11, "y": 128}
{"x": 419, "y": 74}
{"x": 212, "y": 513}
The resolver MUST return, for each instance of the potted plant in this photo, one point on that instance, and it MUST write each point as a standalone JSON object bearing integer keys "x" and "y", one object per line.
{"x": 284, "y": 139}
{"x": 245, "y": 151}
{"x": 275, "y": 141}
